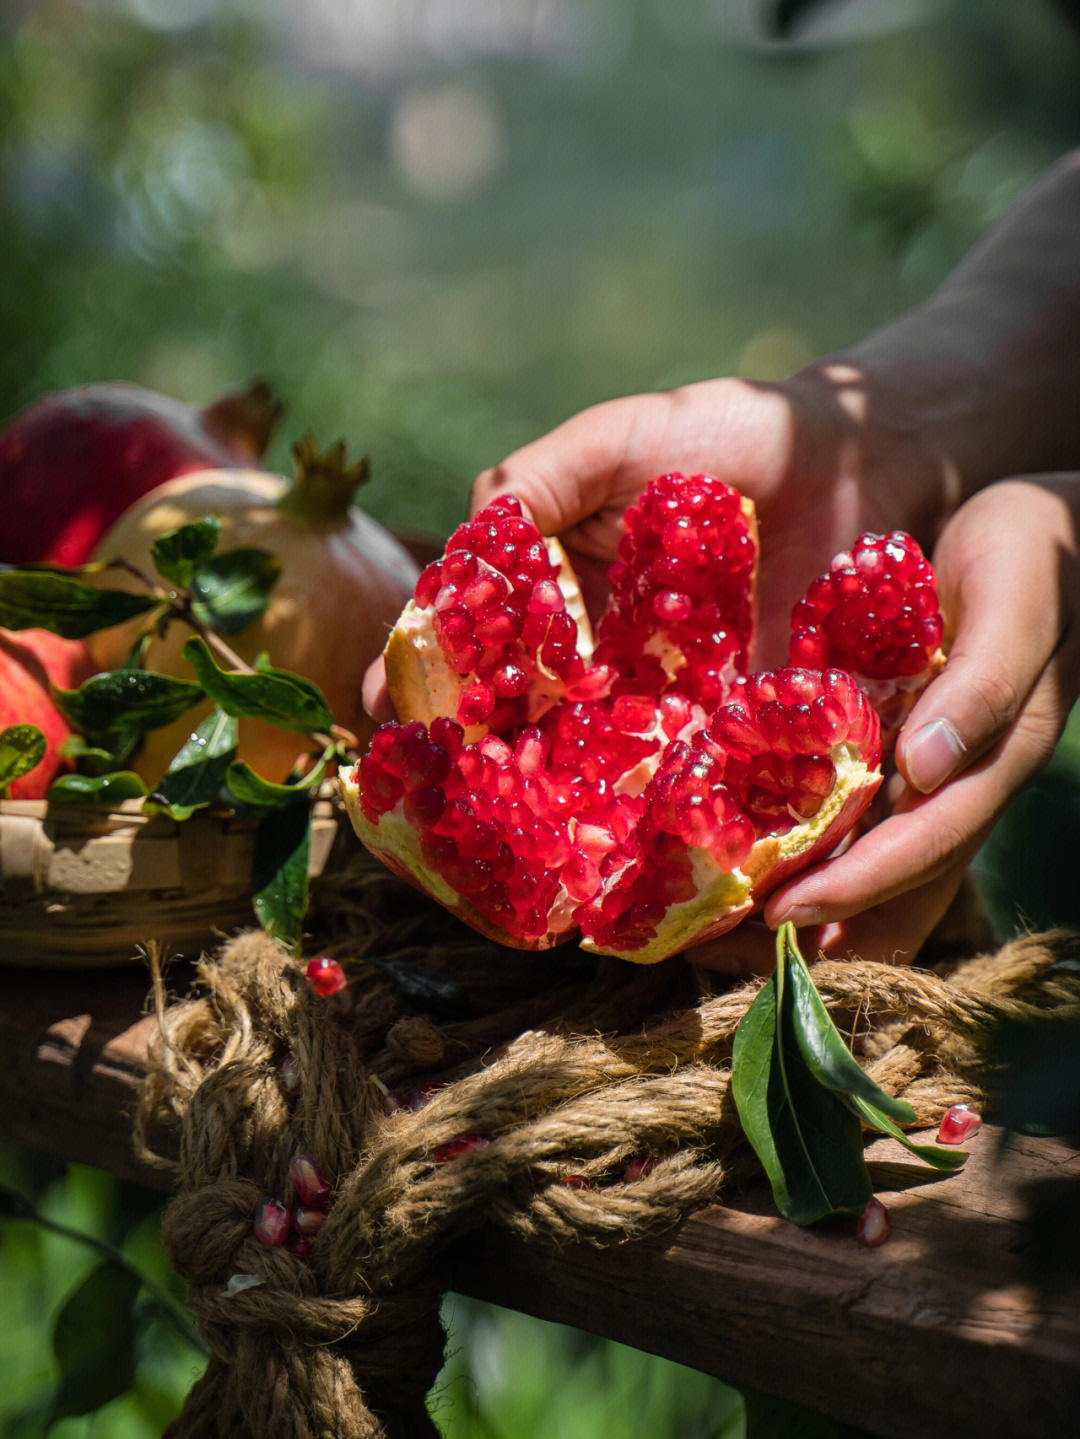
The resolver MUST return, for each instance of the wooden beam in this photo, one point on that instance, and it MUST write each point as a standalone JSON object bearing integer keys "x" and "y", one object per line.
{"x": 943, "y": 1329}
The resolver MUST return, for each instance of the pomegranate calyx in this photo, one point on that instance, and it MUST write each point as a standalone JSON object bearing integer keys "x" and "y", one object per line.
{"x": 245, "y": 419}
{"x": 323, "y": 488}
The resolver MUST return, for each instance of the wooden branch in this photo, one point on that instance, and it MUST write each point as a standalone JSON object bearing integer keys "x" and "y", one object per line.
{"x": 942, "y": 1330}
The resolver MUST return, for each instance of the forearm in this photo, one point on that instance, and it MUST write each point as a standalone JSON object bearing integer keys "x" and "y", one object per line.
{"x": 986, "y": 373}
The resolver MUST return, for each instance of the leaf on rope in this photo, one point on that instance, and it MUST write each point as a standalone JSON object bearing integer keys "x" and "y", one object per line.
{"x": 424, "y": 990}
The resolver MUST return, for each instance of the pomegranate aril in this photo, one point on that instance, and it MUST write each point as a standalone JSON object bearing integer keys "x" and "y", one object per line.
{"x": 313, "y": 1187}
{"x": 874, "y": 1225}
{"x": 289, "y": 1074}
{"x": 272, "y": 1221}
{"x": 298, "y": 1244}
{"x": 959, "y": 1121}
{"x": 638, "y": 1169}
{"x": 447, "y": 733}
{"x": 325, "y": 976}
{"x": 475, "y": 703}
{"x": 428, "y": 585}
{"x": 672, "y": 606}
{"x": 308, "y": 1220}
{"x": 546, "y": 599}
{"x": 576, "y": 1181}
{"x": 454, "y": 1148}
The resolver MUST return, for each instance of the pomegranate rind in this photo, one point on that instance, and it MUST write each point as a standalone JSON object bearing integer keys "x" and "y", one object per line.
{"x": 420, "y": 681}
{"x": 723, "y": 898}
{"x": 397, "y": 844}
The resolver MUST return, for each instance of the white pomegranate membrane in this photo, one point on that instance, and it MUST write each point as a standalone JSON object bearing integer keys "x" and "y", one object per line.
{"x": 647, "y": 795}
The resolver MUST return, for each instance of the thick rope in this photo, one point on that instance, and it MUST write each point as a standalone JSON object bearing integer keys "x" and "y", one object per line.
{"x": 569, "y": 1068}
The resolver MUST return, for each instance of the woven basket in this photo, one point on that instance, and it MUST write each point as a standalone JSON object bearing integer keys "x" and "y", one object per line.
{"x": 82, "y": 885}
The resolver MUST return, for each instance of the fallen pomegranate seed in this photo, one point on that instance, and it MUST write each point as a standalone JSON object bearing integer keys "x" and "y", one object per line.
{"x": 289, "y": 1074}
{"x": 957, "y": 1123}
{"x": 393, "y": 1103}
{"x": 638, "y": 1169}
{"x": 874, "y": 1225}
{"x": 308, "y": 1221}
{"x": 313, "y": 1188}
{"x": 325, "y": 976}
{"x": 272, "y": 1221}
{"x": 577, "y": 1181}
{"x": 425, "y": 1094}
{"x": 459, "y": 1145}
{"x": 298, "y": 1244}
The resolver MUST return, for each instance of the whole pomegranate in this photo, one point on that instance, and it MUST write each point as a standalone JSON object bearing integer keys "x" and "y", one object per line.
{"x": 342, "y": 583}
{"x": 644, "y": 791}
{"x": 31, "y": 660}
{"x": 73, "y": 462}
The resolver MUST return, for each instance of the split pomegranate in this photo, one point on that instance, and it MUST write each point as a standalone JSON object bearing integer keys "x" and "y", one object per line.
{"x": 343, "y": 582}
{"x": 31, "y": 661}
{"x": 648, "y": 795}
{"x": 73, "y": 462}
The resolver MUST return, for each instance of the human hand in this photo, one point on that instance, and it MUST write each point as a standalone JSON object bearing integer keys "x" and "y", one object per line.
{"x": 818, "y": 465}
{"x": 1009, "y": 578}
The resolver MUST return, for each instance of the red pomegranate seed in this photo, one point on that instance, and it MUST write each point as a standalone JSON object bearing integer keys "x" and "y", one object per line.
{"x": 576, "y": 1181}
{"x": 298, "y": 1244}
{"x": 325, "y": 976}
{"x": 308, "y": 1221}
{"x": 313, "y": 1188}
{"x": 454, "y": 1148}
{"x": 272, "y": 1221}
{"x": 957, "y": 1123}
{"x": 874, "y": 1225}
{"x": 638, "y": 1169}
{"x": 394, "y": 1103}
{"x": 424, "y": 1094}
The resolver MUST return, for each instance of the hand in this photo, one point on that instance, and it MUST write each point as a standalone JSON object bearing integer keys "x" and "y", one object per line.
{"x": 1009, "y": 574}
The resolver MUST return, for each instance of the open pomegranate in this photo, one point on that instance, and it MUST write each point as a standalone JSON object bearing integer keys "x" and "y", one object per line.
{"x": 644, "y": 792}
{"x": 72, "y": 462}
{"x": 30, "y": 661}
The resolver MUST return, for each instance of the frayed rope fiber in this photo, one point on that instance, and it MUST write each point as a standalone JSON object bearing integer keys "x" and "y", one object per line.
{"x": 568, "y": 1066}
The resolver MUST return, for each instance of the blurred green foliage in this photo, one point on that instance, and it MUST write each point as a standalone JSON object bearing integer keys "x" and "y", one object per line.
{"x": 438, "y": 228}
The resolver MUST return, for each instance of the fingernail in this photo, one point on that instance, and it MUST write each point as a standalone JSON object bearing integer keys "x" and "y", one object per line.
{"x": 800, "y": 915}
{"x": 933, "y": 755}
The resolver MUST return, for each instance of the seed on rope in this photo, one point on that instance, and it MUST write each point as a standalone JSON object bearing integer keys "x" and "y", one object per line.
{"x": 298, "y": 1244}
{"x": 874, "y": 1225}
{"x": 308, "y": 1221}
{"x": 325, "y": 976}
{"x": 289, "y": 1074}
{"x": 957, "y": 1123}
{"x": 272, "y": 1221}
{"x": 576, "y": 1181}
{"x": 313, "y": 1187}
{"x": 459, "y": 1145}
{"x": 638, "y": 1169}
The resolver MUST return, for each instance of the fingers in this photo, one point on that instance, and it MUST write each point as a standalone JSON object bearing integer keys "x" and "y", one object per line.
{"x": 375, "y": 693}
{"x": 1007, "y": 591}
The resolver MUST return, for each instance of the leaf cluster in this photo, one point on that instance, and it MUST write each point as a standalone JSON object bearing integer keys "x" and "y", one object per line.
{"x": 803, "y": 1098}
{"x": 217, "y": 594}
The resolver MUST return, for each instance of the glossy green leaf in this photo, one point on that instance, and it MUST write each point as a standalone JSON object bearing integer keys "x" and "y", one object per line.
{"x": 251, "y": 789}
{"x": 94, "y": 1341}
{"x": 808, "y": 1140}
{"x": 96, "y": 789}
{"x": 179, "y": 553}
{"x": 232, "y": 590}
{"x": 281, "y": 698}
{"x": 127, "y": 701}
{"x": 22, "y": 746}
{"x": 197, "y": 772}
{"x": 936, "y": 1155}
{"x": 280, "y": 871}
{"x": 54, "y": 600}
{"x": 827, "y": 1056}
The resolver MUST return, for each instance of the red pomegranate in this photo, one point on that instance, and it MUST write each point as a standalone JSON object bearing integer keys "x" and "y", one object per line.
{"x": 73, "y": 462}
{"x": 31, "y": 660}
{"x": 645, "y": 793}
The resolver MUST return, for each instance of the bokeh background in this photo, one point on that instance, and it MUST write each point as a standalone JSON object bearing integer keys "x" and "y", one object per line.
{"x": 438, "y": 227}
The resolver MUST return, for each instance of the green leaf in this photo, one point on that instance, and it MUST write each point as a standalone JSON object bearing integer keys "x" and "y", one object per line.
{"x": 935, "y": 1155}
{"x": 22, "y": 746}
{"x": 827, "y": 1056}
{"x": 179, "y": 553}
{"x": 94, "y": 1341}
{"x": 198, "y": 769}
{"x": 808, "y": 1140}
{"x": 280, "y": 872}
{"x": 833, "y": 1064}
{"x": 277, "y": 696}
{"x": 89, "y": 759}
{"x": 231, "y": 591}
{"x": 96, "y": 789}
{"x": 53, "y": 600}
{"x": 126, "y": 701}
{"x": 251, "y": 789}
